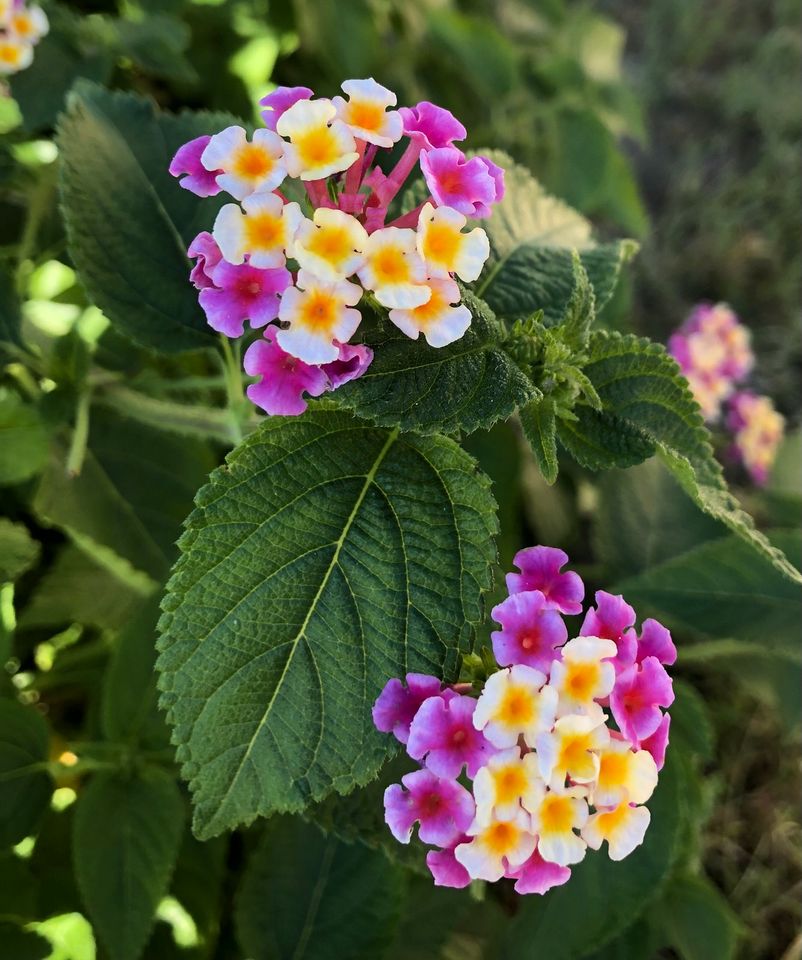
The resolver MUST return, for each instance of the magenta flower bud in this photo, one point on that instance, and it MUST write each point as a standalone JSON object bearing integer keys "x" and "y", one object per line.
{"x": 655, "y": 641}
{"x": 537, "y": 875}
{"x": 187, "y": 165}
{"x": 242, "y": 292}
{"x": 443, "y": 809}
{"x": 431, "y": 126}
{"x": 207, "y": 254}
{"x": 279, "y": 101}
{"x": 397, "y": 704}
{"x": 353, "y": 361}
{"x": 442, "y": 736}
{"x": 612, "y": 619}
{"x": 639, "y": 692}
{"x": 531, "y": 631}
{"x": 540, "y": 570}
{"x": 284, "y": 379}
{"x": 465, "y": 185}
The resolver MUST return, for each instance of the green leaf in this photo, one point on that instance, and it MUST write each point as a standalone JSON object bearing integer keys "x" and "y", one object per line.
{"x": 459, "y": 388}
{"x": 51, "y": 863}
{"x": 197, "y": 884}
{"x": 25, "y": 785}
{"x": 539, "y": 425}
{"x": 23, "y": 440}
{"x": 128, "y": 222}
{"x": 125, "y": 843}
{"x": 466, "y": 41}
{"x": 22, "y": 944}
{"x": 690, "y": 720}
{"x": 580, "y": 311}
{"x": 723, "y": 589}
{"x": 698, "y": 921}
{"x": 18, "y": 550}
{"x": 644, "y": 518}
{"x": 533, "y": 237}
{"x": 10, "y": 316}
{"x": 129, "y": 712}
{"x": 325, "y": 557}
{"x": 649, "y": 409}
{"x": 135, "y": 487}
{"x": 76, "y": 589}
{"x": 607, "y": 896}
{"x": 18, "y": 885}
{"x": 310, "y": 897}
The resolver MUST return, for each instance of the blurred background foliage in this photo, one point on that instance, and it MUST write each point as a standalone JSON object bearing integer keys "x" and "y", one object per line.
{"x": 673, "y": 121}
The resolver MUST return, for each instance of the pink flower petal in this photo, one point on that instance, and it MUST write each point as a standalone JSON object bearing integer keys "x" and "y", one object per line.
{"x": 538, "y": 875}
{"x": 279, "y": 101}
{"x": 446, "y": 869}
{"x": 443, "y": 737}
{"x": 443, "y": 808}
{"x": 187, "y": 165}
{"x": 612, "y": 619}
{"x": 655, "y": 641}
{"x": 540, "y": 570}
{"x": 397, "y": 704}
{"x": 433, "y": 125}
{"x": 284, "y": 379}
{"x": 531, "y": 631}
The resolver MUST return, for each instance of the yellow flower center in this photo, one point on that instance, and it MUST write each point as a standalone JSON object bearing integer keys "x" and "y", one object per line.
{"x": 517, "y": 708}
{"x": 510, "y": 783}
{"x": 330, "y": 243}
{"x": 9, "y": 53}
{"x": 501, "y": 837}
{"x": 368, "y": 116}
{"x": 557, "y": 814}
{"x": 22, "y": 25}
{"x": 317, "y": 148}
{"x": 263, "y": 231}
{"x": 252, "y": 162}
{"x": 390, "y": 266}
{"x": 318, "y": 311}
{"x": 582, "y": 680}
{"x": 441, "y": 243}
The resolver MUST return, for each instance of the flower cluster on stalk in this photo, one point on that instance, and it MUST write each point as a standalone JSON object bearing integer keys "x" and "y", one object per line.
{"x": 714, "y": 352}
{"x": 298, "y": 269}
{"x": 557, "y": 754}
{"x": 21, "y": 28}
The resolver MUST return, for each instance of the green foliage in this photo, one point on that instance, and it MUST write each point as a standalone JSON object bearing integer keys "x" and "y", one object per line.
{"x": 306, "y": 896}
{"x": 698, "y": 920}
{"x": 25, "y": 785}
{"x": 23, "y": 439}
{"x": 18, "y": 550}
{"x": 548, "y": 925}
{"x": 466, "y": 386}
{"x": 10, "y": 316}
{"x": 116, "y": 192}
{"x": 283, "y": 576}
{"x": 126, "y": 837}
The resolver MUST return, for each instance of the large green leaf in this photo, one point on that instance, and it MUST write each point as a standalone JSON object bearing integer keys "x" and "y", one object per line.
{"x": 23, "y": 439}
{"x": 470, "y": 384}
{"x": 602, "y": 898}
{"x": 325, "y": 557}
{"x": 25, "y": 785}
{"x": 698, "y": 921}
{"x": 306, "y": 896}
{"x": 648, "y": 409}
{"x": 532, "y": 239}
{"x": 126, "y": 837}
{"x": 128, "y": 221}
{"x": 722, "y": 589}
{"x": 18, "y": 550}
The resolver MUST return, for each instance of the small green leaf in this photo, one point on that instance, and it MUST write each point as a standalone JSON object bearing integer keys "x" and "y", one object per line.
{"x": 459, "y": 388}
{"x": 25, "y": 785}
{"x": 698, "y": 921}
{"x": 126, "y": 837}
{"x": 23, "y": 440}
{"x": 539, "y": 425}
{"x": 649, "y": 409}
{"x": 325, "y": 557}
{"x": 128, "y": 221}
{"x": 18, "y": 550}
{"x": 607, "y": 896}
{"x": 10, "y": 316}
{"x": 581, "y": 309}
{"x": 310, "y": 897}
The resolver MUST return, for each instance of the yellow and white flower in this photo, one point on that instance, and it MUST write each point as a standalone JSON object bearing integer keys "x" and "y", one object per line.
{"x": 571, "y": 749}
{"x": 437, "y": 319}
{"x": 247, "y": 167}
{"x": 503, "y": 783}
{"x": 623, "y": 827}
{"x": 556, "y": 814}
{"x": 515, "y": 703}
{"x": 393, "y": 270}
{"x": 583, "y": 675}
{"x": 446, "y": 249}
{"x": 625, "y": 775}
{"x": 496, "y": 845}
{"x": 330, "y": 245}
{"x": 263, "y": 229}
{"x": 28, "y": 24}
{"x": 366, "y": 112}
{"x": 15, "y": 54}
{"x": 320, "y": 145}
{"x": 318, "y": 312}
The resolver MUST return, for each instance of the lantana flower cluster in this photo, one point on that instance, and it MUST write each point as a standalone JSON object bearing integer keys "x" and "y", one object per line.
{"x": 558, "y": 753}
{"x": 21, "y": 28}
{"x": 299, "y": 270}
{"x": 714, "y": 352}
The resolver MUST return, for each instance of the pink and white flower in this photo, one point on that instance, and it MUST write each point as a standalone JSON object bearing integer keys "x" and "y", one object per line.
{"x": 624, "y": 828}
{"x": 393, "y": 270}
{"x": 515, "y": 703}
{"x": 320, "y": 144}
{"x": 279, "y": 101}
{"x": 193, "y": 176}
{"x": 584, "y": 675}
{"x": 612, "y": 619}
{"x": 263, "y": 230}
{"x": 284, "y": 379}
{"x": 443, "y": 808}
{"x": 442, "y": 319}
{"x": 397, "y": 704}
{"x": 540, "y": 570}
{"x": 242, "y": 292}
{"x": 531, "y": 631}
{"x": 446, "y": 249}
{"x": 320, "y": 315}
{"x": 469, "y": 186}
{"x": 366, "y": 112}
{"x": 538, "y": 875}
{"x": 444, "y": 738}
{"x": 640, "y": 690}
{"x": 497, "y": 846}
{"x": 243, "y": 167}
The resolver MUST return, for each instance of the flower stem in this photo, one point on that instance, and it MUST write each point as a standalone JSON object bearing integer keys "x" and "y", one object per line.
{"x": 80, "y": 433}
{"x": 235, "y": 390}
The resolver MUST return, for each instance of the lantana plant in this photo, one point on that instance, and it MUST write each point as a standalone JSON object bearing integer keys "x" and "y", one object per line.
{"x": 553, "y": 752}
{"x": 22, "y": 26}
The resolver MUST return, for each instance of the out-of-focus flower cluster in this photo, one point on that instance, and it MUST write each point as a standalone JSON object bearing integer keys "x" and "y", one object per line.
{"x": 300, "y": 270}
{"x": 714, "y": 352}
{"x": 21, "y": 28}
{"x": 522, "y": 780}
